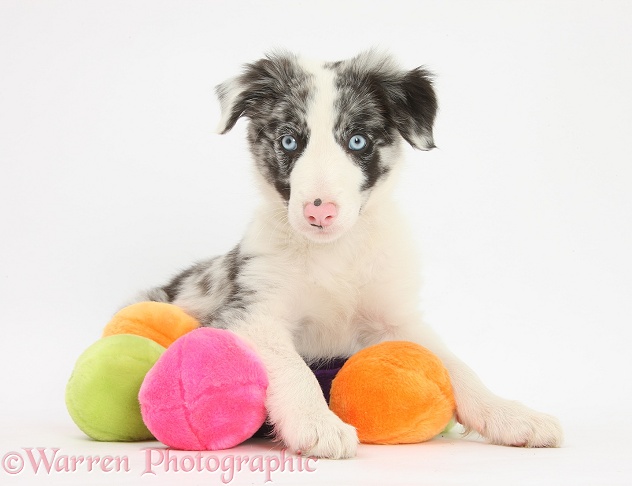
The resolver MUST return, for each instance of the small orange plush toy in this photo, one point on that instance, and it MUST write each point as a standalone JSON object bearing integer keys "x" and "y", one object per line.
{"x": 395, "y": 392}
{"x": 158, "y": 321}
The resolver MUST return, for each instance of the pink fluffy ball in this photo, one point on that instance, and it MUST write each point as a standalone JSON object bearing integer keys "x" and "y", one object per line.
{"x": 206, "y": 392}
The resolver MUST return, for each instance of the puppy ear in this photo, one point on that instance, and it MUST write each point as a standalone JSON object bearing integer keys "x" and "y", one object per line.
{"x": 261, "y": 82}
{"x": 420, "y": 109}
{"x": 414, "y": 107}
{"x": 232, "y": 100}
{"x": 408, "y": 96}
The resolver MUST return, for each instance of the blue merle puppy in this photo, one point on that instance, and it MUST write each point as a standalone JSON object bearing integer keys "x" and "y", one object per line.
{"x": 327, "y": 266}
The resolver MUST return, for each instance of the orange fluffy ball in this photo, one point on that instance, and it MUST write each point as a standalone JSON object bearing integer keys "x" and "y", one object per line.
{"x": 395, "y": 392}
{"x": 158, "y": 321}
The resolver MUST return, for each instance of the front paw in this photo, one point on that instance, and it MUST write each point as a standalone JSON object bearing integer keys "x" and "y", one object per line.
{"x": 510, "y": 423}
{"x": 320, "y": 435}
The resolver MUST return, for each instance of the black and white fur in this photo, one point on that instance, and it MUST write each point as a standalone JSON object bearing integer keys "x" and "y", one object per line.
{"x": 300, "y": 292}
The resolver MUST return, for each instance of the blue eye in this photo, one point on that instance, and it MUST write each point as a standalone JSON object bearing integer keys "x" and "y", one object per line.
{"x": 289, "y": 144}
{"x": 357, "y": 143}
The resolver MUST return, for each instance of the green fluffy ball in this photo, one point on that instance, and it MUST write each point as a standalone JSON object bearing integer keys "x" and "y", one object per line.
{"x": 102, "y": 393}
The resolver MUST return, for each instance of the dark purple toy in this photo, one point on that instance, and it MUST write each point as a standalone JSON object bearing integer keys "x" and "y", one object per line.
{"x": 325, "y": 374}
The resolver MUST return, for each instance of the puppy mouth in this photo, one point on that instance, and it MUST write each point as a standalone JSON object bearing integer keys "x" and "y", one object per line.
{"x": 317, "y": 233}
{"x": 321, "y": 234}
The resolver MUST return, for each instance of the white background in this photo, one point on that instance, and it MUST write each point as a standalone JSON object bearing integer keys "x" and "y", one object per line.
{"x": 112, "y": 179}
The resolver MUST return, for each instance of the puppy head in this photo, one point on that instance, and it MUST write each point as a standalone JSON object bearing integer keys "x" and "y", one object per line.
{"x": 325, "y": 135}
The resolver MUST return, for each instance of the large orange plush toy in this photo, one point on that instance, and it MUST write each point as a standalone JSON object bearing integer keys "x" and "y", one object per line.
{"x": 395, "y": 392}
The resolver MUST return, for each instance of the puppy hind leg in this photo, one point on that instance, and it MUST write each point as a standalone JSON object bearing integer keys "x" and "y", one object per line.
{"x": 501, "y": 421}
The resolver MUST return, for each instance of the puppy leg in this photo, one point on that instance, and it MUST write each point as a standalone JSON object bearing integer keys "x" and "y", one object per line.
{"x": 295, "y": 402}
{"x": 501, "y": 421}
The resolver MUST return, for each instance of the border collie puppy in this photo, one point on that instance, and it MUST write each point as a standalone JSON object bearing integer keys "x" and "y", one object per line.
{"x": 327, "y": 266}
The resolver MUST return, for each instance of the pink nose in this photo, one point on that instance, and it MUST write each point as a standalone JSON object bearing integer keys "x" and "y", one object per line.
{"x": 320, "y": 214}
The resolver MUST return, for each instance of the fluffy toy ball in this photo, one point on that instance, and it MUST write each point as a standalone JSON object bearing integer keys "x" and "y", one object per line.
{"x": 158, "y": 321}
{"x": 102, "y": 393}
{"x": 395, "y": 392}
{"x": 206, "y": 392}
